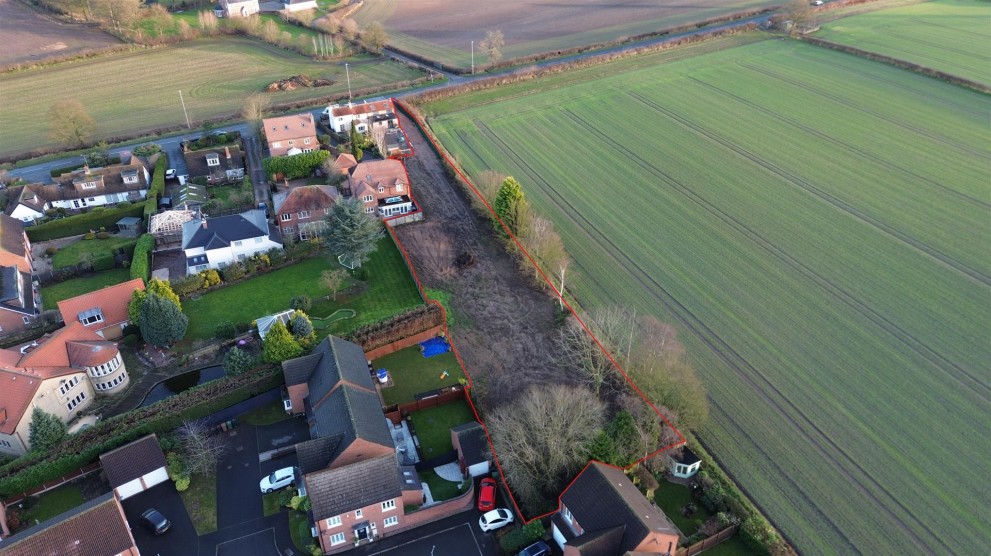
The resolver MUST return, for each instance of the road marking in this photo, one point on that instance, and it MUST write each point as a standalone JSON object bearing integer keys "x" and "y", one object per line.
{"x": 270, "y": 529}
{"x": 449, "y": 529}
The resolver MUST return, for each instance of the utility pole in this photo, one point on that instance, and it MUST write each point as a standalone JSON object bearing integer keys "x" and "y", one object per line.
{"x": 473, "y": 57}
{"x": 348, "y": 72}
{"x": 184, "y": 111}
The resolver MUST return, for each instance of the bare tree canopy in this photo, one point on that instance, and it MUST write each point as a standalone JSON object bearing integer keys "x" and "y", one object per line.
{"x": 254, "y": 108}
{"x": 492, "y": 45}
{"x": 543, "y": 439}
{"x": 201, "y": 448}
{"x": 70, "y": 124}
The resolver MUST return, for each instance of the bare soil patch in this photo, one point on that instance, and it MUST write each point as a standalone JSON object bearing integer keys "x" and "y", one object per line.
{"x": 31, "y": 36}
{"x": 508, "y": 337}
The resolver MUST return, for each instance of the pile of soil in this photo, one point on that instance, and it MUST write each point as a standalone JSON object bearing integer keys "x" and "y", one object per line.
{"x": 297, "y": 82}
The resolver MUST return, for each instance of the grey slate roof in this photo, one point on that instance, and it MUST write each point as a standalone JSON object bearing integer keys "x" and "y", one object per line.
{"x": 95, "y": 528}
{"x": 316, "y": 454}
{"x": 604, "y": 542}
{"x": 603, "y": 497}
{"x": 341, "y": 360}
{"x": 223, "y": 230}
{"x": 132, "y": 460}
{"x": 684, "y": 456}
{"x": 298, "y": 370}
{"x": 474, "y": 447}
{"x": 9, "y": 298}
{"x": 352, "y": 412}
{"x": 361, "y": 484}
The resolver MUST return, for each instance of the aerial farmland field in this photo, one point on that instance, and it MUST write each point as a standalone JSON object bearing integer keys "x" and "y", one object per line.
{"x": 945, "y": 35}
{"x": 139, "y": 91}
{"x": 817, "y": 226}
{"x": 442, "y": 30}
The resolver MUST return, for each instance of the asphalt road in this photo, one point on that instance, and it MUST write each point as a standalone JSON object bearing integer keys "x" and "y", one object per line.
{"x": 180, "y": 540}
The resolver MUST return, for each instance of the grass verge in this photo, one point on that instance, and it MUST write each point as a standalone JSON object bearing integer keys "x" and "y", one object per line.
{"x": 200, "y": 500}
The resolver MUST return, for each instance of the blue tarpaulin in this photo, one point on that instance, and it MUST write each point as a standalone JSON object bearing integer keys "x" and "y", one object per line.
{"x": 434, "y": 346}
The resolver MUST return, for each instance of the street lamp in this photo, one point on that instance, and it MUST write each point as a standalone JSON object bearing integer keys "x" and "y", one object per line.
{"x": 473, "y": 57}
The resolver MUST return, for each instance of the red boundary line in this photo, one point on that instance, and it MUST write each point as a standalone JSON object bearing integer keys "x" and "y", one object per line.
{"x": 427, "y": 299}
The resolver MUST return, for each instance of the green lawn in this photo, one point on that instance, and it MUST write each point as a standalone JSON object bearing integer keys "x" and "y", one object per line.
{"x": 442, "y": 489}
{"x": 200, "y": 500}
{"x": 390, "y": 290}
{"x": 952, "y": 36}
{"x": 270, "y": 502}
{"x": 266, "y": 414}
{"x": 671, "y": 498}
{"x": 816, "y": 226}
{"x": 53, "y": 293}
{"x": 412, "y": 373}
{"x": 217, "y": 75}
{"x": 433, "y": 426}
{"x": 73, "y": 254}
{"x": 52, "y": 503}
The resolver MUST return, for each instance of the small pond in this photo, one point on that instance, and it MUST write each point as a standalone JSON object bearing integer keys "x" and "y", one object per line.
{"x": 183, "y": 382}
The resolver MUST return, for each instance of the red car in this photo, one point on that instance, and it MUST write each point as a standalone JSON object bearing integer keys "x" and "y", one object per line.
{"x": 487, "y": 494}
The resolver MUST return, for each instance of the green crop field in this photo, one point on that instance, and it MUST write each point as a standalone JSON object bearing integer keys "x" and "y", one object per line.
{"x": 952, "y": 36}
{"x": 817, "y": 226}
{"x": 139, "y": 91}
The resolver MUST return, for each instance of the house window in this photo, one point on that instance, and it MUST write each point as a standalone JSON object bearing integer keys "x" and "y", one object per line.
{"x": 338, "y": 538}
{"x": 303, "y": 214}
{"x": 358, "y": 514}
{"x": 238, "y": 243}
{"x": 93, "y": 319}
{"x": 381, "y": 189}
{"x": 306, "y": 141}
{"x": 276, "y": 144}
{"x": 26, "y": 320}
{"x": 242, "y": 256}
{"x": 92, "y": 199}
{"x": 566, "y": 513}
{"x": 130, "y": 179}
{"x": 326, "y": 210}
{"x": 388, "y": 505}
{"x": 89, "y": 185}
{"x": 5, "y": 444}
{"x": 258, "y": 240}
{"x": 334, "y": 521}
{"x": 286, "y": 217}
{"x": 289, "y": 142}
{"x": 201, "y": 268}
{"x": 213, "y": 160}
{"x": 390, "y": 521}
{"x": 288, "y": 230}
{"x": 369, "y": 210}
{"x": 682, "y": 469}
{"x": 399, "y": 187}
{"x": 368, "y": 198}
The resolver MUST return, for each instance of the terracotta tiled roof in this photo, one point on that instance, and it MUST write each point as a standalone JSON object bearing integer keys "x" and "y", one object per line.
{"x": 289, "y": 127}
{"x": 366, "y": 178}
{"x": 16, "y": 392}
{"x": 52, "y": 351}
{"x": 90, "y": 353}
{"x": 309, "y": 197}
{"x": 363, "y": 108}
{"x": 96, "y": 528}
{"x": 133, "y": 460}
{"x": 111, "y": 300}
{"x": 345, "y": 162}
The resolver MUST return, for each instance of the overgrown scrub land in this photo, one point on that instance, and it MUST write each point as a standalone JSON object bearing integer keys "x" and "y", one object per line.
{"x": 443, "y": 30}
{"x": 946, "y": 35}
{"x": 138, "y": 91}
{"x": 817, "y": 226}
{"x": 30, "y": 36}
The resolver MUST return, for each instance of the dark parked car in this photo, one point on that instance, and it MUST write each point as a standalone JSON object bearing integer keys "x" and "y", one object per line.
{"x": 154, "y": 520}
{"x": 538, "y": 548}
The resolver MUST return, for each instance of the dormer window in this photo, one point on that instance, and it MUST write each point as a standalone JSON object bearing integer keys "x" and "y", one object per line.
{"x": 381, "y": 189}
{"x": 399, "y": 187}
{"x": 91, "y": 316}
{"x": 88, "y": 185}
{"x": 212, "y": 160}
{"x": 130, "y": 179}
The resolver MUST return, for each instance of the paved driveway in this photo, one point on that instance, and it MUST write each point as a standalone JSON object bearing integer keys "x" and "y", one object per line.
{"x": 457, "y": 535}
{"x": 180, "y": 540}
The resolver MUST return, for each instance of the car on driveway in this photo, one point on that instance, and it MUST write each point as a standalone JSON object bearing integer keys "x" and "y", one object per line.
{"x": 170, "y": 174}
{"x": 154, "y": 520}
{"x": 495, "y": 519}
{"x": 487, "y": 494}
{"x": 278, "y": 479}
{"x": 538, "y": 548}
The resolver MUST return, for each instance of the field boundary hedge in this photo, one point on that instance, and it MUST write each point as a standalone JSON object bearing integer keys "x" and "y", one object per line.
{"x": 899, "y": 63}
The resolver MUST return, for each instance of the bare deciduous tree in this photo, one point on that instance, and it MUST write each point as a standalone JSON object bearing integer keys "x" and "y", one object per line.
{"x": 488, "y": 183}
{"x": 254, "y": 108}
{"x": 333, "y": 280}
{"x": 492, "y": 45}
{"x": 70, "y": 124}
{"x": 542, "y": 440}
{"x": 580, "y": 353}
{"x": 201, "y": 448}
{"x": 349, "y": 28}
{"x": 375, "y": 36}
{"x": 208, "y": 22}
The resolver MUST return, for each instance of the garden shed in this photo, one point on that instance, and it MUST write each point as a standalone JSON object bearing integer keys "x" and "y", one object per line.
{"x": 683, "y": 463}
{"x": 130, "y": 225}
{"x": 472, "y": 447}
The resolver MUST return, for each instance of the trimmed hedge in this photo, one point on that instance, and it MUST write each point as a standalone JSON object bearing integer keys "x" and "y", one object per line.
{"x": 401, "y": 326}
{"x": 103, "y": 262}
{"x": 82, "y": 223}
{"x": 157, "y": 188}
{"x": 296, "y": 166}
{"x": 141, "y": 258}
{"x": 56, "y": 172}
{"x": 34, "y": 469}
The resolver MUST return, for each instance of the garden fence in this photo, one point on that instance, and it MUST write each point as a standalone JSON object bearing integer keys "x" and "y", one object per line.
{"x": 444, "y": 396}
{"x": 708, "y": 542}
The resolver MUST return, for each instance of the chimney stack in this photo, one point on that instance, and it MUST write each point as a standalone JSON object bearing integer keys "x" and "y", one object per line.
{"x": 227, "y": 151}
{"x": 203, "y": 223}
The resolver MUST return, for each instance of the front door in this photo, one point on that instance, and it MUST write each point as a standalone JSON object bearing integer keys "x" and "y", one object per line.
{"x": 362, "y": 533}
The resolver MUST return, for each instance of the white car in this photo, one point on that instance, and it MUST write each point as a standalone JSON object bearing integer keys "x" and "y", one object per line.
{"x": 170, "y": 174}
{"x": 495, "y": 519}
{"x": 279, "y": 479}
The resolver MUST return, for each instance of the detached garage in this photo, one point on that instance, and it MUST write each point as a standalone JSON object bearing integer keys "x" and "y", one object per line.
{"x": 472, "y": 447}
{"x": 135, "y": 467}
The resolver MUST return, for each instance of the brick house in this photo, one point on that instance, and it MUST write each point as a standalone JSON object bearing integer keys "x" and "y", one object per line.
{"x": 349, "y": 467}
{"x": 19, "y": 298}
{"x": 218, "y": 166}
{"x": 382, "y": 186}
{"x": 291, "y": 134}
{"x": 84, "y": 188}
{"x": 104, "y": 310}
{"x": 95, "y": 528}
{"x": 303, "y": 212}
{"x": 603, "y": 513}
{"x": 59, "y": 374}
